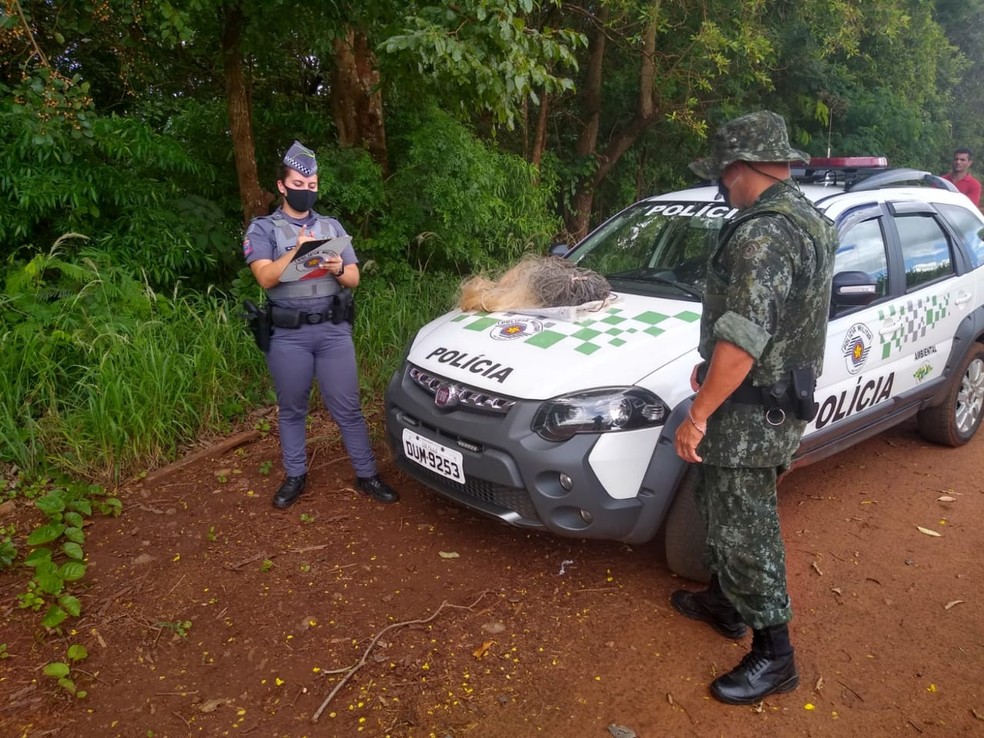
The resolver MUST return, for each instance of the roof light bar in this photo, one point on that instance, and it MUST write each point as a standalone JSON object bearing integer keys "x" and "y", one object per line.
{"x": 847, "y": 162}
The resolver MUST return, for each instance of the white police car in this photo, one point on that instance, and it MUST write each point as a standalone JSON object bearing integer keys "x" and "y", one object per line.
{"x": 568, "y": 426}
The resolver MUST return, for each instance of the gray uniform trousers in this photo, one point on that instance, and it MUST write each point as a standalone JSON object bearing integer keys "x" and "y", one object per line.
{"x": 295, "y": 358}
{"x": 744, "y": 543}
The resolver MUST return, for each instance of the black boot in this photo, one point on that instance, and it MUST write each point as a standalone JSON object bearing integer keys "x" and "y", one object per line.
{"x": 768, "y": 669}
{"x": 289, "y": 491}
{"x": 710, "y": 606}
{"x": 376, "y": 488}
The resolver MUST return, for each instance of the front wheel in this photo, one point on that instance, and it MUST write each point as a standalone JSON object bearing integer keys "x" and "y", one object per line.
{"x": 957, "y": 418}
{"x": 686, "y": 534}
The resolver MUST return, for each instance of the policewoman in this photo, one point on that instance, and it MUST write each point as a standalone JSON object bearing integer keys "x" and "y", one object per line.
{"x": 762, "y": 335}
{"x": 312, "y": 329}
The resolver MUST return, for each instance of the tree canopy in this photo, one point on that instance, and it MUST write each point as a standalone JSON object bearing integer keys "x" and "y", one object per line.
{"x": 453, "y": 136}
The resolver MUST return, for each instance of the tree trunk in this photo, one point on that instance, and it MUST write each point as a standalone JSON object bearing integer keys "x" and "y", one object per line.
{"x": 356, "y": 100}
{"x": 540, "y": 137}
{"x": 647, "y": 114}
{"x": 587, "y": 142}
{"x": 240, "y": 113}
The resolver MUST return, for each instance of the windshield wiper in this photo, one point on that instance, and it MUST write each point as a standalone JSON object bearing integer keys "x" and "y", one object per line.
{"x": 649, "y": 275}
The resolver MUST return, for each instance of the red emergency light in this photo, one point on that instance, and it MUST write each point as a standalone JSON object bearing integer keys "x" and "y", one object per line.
{"x": 847, "y": 162}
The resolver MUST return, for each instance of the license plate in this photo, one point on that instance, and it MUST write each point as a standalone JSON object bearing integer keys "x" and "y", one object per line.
{"x": 445, "y": 461}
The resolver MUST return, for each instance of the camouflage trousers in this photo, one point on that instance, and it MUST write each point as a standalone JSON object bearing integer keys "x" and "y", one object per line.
{"x": 744, "y": 543}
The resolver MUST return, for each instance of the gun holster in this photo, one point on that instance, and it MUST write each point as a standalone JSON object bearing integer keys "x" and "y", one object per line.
{"x": 802, "y": 387}
{"x": 344, "y": 307}
{"x": 259, "y": 324}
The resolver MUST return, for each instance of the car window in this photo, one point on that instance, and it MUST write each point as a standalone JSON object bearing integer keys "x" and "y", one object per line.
{"x": 862, "y": 249}
{"x": 925, "y": 249}
{"x": 970, "y": 228}
{"x": 655, "y": 246}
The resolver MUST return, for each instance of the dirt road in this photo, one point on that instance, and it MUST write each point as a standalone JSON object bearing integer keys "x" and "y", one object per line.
{"x": 207, "y": 612}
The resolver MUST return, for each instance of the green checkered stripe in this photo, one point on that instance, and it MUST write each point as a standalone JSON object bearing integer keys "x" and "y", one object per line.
{"x": 609, "y": 327}
{"x": 918, "y": 316}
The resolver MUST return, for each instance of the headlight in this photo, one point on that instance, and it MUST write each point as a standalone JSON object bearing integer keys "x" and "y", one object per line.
{"x": 599, "y": 411}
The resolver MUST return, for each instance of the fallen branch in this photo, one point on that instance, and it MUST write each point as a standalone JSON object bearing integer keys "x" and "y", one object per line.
{"x": 216, "y": 449}
{"x": 849, "y": 689}
{"x": 250, "y": 560}
{"x": 372, "y": 644}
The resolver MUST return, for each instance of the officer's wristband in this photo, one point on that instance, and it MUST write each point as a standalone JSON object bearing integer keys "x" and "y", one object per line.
{"x": 690, "y": 417}
{"x": 341, "y": 271}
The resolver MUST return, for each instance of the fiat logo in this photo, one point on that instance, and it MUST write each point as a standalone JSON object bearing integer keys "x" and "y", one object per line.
{"x": 447, "y": 395}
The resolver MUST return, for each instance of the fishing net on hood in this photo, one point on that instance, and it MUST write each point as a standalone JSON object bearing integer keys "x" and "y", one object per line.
{"x": 534, "y": 282}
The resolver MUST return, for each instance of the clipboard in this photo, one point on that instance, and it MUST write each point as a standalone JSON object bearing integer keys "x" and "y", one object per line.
{"x": 306, "y": 262}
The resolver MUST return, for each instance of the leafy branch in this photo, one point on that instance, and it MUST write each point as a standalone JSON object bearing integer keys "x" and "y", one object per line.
{"x": 30, "y": 35}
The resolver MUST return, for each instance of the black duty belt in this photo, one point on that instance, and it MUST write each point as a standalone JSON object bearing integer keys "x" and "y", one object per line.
{"x": 776, "y": 408}
{"x": 315, "y": 318}
{"x": 748, "y": 394}
{"x": 291, "y": 318}
{"x": 793, "y": 395}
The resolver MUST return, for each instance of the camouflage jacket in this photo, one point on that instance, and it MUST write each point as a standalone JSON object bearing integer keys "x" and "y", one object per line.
{"x": 767, "y": 292}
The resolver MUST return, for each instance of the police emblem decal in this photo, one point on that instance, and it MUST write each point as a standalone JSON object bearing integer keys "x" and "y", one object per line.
{"x": 923, "y": 371}
{"x": 509, "y": 330}
{"x": 856, "y": 347}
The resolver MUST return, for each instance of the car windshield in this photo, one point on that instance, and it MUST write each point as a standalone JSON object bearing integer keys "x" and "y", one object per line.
{"x": 657, "y": 248}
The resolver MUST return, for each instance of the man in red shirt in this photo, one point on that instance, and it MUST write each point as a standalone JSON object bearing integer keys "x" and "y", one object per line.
{"x": 960, "y": 176}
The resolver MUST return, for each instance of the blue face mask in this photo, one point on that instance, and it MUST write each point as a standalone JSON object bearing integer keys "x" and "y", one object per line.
{"x": 300, "y": 200}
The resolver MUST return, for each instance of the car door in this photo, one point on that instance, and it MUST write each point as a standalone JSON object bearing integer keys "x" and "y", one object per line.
{"x": 917, "y": 329}
{"x": 857, "y": 375}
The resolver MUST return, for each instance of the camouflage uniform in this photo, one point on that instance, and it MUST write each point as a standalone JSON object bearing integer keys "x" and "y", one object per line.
{"x": 768, "y": 293}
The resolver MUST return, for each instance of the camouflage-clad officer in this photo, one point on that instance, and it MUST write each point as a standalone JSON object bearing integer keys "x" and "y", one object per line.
{"x": 762, "y": 338}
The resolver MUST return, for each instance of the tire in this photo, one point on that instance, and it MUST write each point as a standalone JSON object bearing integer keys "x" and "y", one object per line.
{"x": 686, "y": 533}
{"x": 957, "y": 418}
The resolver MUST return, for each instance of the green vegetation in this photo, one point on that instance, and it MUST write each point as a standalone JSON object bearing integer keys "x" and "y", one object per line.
{"x": 61, "y": 670}
{"x": 180, "y": 628}
{"x": 105, "y": 376}
{"x": 56, "y": 557}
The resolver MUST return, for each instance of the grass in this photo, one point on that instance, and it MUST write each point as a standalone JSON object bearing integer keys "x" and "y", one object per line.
{"x": 104, "y": 378}
{"x": 387, "y": 317}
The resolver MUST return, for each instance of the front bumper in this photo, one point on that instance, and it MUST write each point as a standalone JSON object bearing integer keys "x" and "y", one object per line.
{"x": 515, "y": 476}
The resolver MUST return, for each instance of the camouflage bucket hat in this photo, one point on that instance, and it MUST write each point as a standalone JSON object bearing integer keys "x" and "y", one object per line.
{"x": 757, "y": 136}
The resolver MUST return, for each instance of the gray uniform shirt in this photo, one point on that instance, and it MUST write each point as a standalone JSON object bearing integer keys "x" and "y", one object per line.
{"x": 270, "y": 236}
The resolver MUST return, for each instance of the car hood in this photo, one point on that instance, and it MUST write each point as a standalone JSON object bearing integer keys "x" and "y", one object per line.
{"x": 536, "y": 356}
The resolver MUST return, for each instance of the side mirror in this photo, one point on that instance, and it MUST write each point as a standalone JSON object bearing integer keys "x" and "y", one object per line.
{"x": 559, "y": 249}
{"x": 851, "y": 289}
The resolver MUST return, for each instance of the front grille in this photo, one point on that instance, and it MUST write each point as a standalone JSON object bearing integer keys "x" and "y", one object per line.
{"x": 461, "y": 395}
{"x": 493, "y": 498}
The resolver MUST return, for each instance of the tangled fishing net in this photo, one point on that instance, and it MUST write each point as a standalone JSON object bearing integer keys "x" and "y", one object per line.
{"x": 535, "y": 282}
